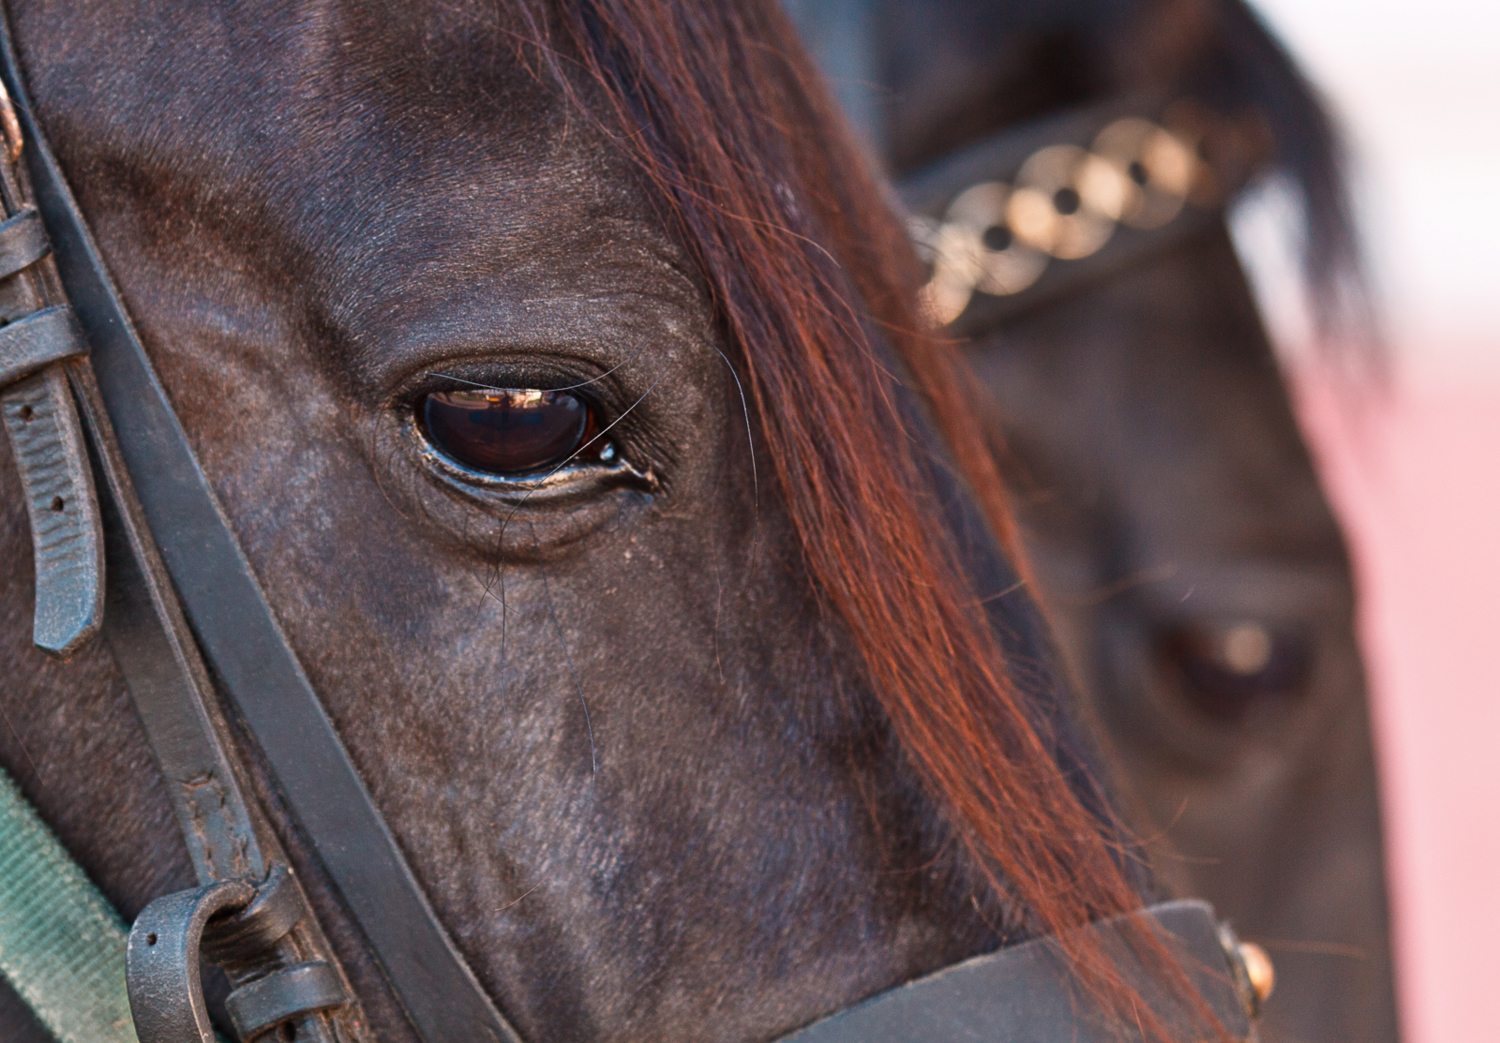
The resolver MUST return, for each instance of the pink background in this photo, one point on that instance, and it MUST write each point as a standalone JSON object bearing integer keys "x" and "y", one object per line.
{"x": 1416, "y": 480}
{"x": 1416, "y": 475}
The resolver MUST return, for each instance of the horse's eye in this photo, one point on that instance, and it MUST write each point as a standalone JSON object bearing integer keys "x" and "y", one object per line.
{"x": 1226, "y": 669}
{"x": 509, "y": 432}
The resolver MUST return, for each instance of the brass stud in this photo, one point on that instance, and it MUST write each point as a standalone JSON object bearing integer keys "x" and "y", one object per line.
{"x": 1259, "y": 969}
{"x": 1055, "y": 207}
{"x": 10, "y": 125}
{"x": 1159, "y": 167}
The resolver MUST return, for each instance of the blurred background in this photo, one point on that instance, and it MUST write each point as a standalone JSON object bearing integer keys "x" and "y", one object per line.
{"x": 1415, "y": 472}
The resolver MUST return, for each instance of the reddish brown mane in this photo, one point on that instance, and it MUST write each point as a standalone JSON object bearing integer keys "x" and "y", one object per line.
{"x": 788, "y": 228}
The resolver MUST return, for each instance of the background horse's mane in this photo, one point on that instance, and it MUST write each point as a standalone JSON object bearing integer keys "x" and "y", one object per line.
{"x": 1220, "y": 52}
{"x": 812, "y": 280}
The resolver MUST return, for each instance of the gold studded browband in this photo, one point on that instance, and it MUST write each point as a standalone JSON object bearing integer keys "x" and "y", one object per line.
{"x": 1031, "y": 214}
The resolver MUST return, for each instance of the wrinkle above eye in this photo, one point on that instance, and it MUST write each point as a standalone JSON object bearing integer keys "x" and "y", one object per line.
{"x": 605, "y": 328}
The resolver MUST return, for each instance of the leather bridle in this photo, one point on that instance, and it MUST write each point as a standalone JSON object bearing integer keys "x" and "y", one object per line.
{"x": 1142, "y": 176}
{"x": 131, "y": 541}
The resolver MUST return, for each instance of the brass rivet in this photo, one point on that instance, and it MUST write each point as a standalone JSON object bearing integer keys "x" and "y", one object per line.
{"x": 1260, "y": 970}
{"x": 10, "y": 126}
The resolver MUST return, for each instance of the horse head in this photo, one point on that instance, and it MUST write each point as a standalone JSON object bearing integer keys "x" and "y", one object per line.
{"x": 557, "y": 371}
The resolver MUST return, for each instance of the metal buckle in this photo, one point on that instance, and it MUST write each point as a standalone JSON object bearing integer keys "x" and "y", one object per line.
{"x": 231, "y": 923}
{"x": 161, "y": 962}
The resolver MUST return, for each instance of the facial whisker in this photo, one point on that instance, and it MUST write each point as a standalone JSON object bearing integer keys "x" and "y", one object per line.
{"x": 568, "y": 657}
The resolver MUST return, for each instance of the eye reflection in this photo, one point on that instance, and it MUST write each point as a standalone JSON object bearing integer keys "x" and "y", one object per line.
{"x": 1227, "y": 669}
{"x": 506, "y": 432}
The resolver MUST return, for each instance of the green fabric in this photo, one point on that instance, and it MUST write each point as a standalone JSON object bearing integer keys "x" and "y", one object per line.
{"x": 62, "y": 945}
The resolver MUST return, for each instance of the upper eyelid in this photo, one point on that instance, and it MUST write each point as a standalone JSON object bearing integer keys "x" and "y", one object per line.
{"x": 603, "y": 390}
{"x": 568, "y": 387}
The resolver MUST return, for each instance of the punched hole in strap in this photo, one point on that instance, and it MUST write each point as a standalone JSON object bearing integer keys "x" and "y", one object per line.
{"x": 48, "y": 445}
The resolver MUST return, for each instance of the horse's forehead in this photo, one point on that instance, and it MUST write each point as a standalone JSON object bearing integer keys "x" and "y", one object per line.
{"x": 380, "y": 158}
{"x": 330, "y": 112}
{"x": 300, "y": 53}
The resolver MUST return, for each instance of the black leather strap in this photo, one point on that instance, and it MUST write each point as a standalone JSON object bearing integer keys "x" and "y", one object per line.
{"x": 23, "y": 242}
{"x": 62, "y": 508}
{"x": 34, "y": 342}
{"x": 242, "y": 639}
{"x": 227, "y": 838}
{"x": 281, "y": 995}
{"x": 1028, "y": 993}
{"x": 151, "y": 644}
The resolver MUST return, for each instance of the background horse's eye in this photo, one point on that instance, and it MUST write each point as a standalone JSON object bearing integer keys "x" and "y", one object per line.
{"x": 506, "y": 431}
{"x": 1225, "y": 669}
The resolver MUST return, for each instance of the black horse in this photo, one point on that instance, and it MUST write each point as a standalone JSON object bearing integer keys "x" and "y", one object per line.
{"x": 1178, "y": 530}
{"x": 702, "y": 701}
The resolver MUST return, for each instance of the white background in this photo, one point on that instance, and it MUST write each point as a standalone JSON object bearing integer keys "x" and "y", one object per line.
{"x": 1418, "y": 87}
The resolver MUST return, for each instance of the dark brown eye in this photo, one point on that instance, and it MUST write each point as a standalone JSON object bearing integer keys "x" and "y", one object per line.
{"x": 1226, "y": 669}
{"x": 509, "y": 432}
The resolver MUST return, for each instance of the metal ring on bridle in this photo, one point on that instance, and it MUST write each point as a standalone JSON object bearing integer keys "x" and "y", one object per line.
{"x": 1157, "y": 168}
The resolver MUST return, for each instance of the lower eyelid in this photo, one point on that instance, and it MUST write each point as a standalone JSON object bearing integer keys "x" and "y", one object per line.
{"x": 571, "y": 481}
